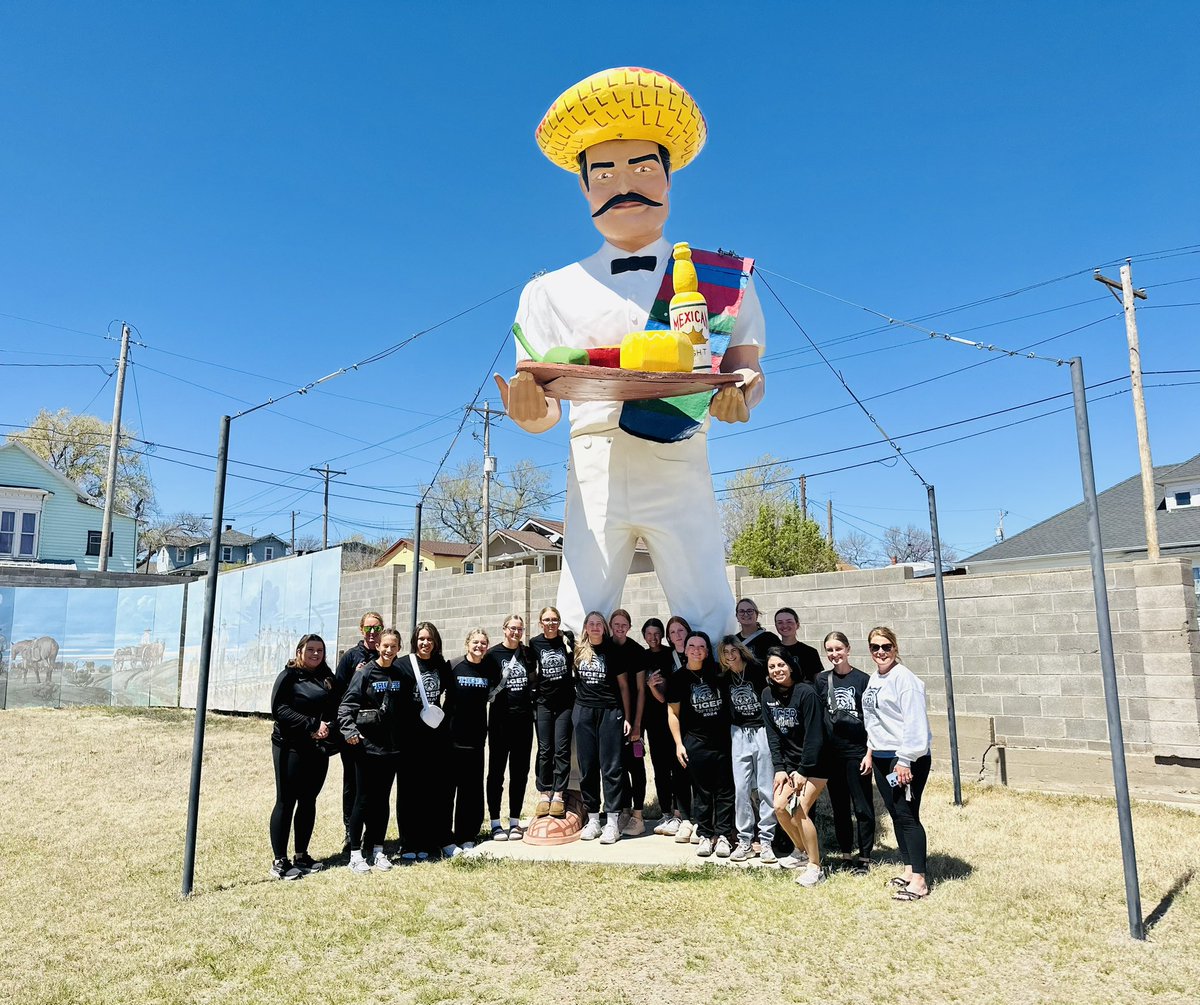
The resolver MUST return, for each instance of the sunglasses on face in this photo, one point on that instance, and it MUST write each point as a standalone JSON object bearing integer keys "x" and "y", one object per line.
{"x": 881, "y": 647}
{"x": 373, "y": 629}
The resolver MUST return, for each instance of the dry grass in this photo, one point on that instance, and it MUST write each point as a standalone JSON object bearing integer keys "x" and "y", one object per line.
{"x": 1027, "y": 907}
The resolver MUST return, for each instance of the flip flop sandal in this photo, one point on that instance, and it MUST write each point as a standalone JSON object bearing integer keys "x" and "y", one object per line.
{"x": 899, "y": 881}
{"x": 907, "y": 896}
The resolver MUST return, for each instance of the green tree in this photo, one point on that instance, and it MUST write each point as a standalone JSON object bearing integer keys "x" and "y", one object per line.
{"x": 783, "y": 542}
{"x": 766, "y": 482}
{"x": 77, "y": 445}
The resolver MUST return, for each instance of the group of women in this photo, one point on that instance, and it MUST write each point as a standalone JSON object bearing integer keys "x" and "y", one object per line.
{"x": 743, "y": 735}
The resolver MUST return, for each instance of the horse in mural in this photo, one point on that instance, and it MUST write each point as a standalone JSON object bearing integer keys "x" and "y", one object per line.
{"x": 140, "y": 657}
{"x": 36, "y": 655}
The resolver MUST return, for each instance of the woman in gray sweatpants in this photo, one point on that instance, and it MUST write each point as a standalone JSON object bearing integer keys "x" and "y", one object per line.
{"x": 743, "y": 680}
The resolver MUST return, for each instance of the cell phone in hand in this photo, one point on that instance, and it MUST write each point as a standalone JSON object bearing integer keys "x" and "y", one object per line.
{"x": 793, "y": 802}
{"x": 893, "y": 779}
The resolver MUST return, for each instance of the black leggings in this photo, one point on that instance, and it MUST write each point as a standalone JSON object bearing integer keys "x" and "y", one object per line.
{"x": 554, "y": 749}
{"x": 424, "y": 793}
{"x": 671, "y": 783}
{"x": 906, "y": 813}
{"x": 466, "y": 769}
{"x": 599, "y": 737}
{"x": 846, "y": 785}
{"x": 634, "y": 770}
{"x": 349, "y": 757}
{"x": 299, "y": 775}
{"x": 711, "y": 771}
{"x": 374, "y": 774}
{"x": 510, "y": 742}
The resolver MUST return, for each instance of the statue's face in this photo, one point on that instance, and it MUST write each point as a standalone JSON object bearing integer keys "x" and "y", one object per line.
{"x": 627, "y": 190}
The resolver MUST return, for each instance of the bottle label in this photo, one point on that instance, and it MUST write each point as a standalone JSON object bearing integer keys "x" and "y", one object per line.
{"x": 691, "y": 318}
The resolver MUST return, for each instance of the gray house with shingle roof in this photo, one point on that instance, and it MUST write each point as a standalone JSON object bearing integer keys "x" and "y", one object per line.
{"x": 1062, "y": 540}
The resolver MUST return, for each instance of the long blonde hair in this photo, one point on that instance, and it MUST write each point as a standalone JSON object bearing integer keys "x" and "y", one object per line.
{"x": 583, "y": 648}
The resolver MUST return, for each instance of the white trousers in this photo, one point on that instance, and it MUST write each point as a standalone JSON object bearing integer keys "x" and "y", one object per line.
{"x": 753, "y": 784}
{"x": 620, "y": 488}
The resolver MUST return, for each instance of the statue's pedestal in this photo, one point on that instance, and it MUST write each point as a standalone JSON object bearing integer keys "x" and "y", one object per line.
{"x": 559, "y": 830}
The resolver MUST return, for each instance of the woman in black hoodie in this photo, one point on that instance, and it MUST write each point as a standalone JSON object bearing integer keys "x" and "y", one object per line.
{"x": 303, "y": 703}
{"x": 374, "y": 716}
{"x": 424, "y": 783}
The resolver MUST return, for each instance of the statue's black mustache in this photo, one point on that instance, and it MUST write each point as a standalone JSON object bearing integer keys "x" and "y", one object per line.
{"x": 616, "y": 200}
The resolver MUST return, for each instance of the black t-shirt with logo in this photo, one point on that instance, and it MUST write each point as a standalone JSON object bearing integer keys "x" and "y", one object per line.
{"x": 742, "y": 695}
{"x": 467, "y": 702}
{"x": 514, "y": 668}
{"x": 703, "y": 716}
{"x": 758, "y": 642}
{"x": 654, "y": 712}
{"x": 596, "y": 678}
{"x": 808, "y": 659}
{"x": 554, "y": 659}
{"x": 846, "y": 731}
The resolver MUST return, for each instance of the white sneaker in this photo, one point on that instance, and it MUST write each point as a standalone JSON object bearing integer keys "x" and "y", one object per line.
{"x": 792, "y": 861}
{"x": 591, "y": 830}
{"x": 767, "y": 855}
{"x": 359, "y": 865}
{"x": 722, "y": 847}
{"x": 683, "y": 833}
{"x": 695, "y": 835}
{"x": 669, "y": 827}
{"x": 634, "y": 827}
{"x": 381, "y": 863}
{"x": 811, "y": 876}
{"x": 742, "y": 853}
{"x": 705, "y": 847}
{"x": 612, "y": 831}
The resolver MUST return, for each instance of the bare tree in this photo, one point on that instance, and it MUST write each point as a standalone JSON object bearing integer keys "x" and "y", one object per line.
{"x": 858, "y": 550}
{"x": 913, "y": 544}
{"x": 172, "y": 528}
{"x": 766, "y": 482}
{"x": 456, "y": 502}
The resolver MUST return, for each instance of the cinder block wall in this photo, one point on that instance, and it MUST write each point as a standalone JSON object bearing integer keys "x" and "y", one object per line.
{"x": 1024, "y": 653}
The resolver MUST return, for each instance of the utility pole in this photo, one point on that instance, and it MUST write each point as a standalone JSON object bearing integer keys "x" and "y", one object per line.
{"x": 327, "y": 473}
{"x": 1000, "y": 526}
{"x": 489, "y": 469}
{"x": 804, "y": 496}
{"x": 110, "y": 481}
{"x": 293, "y": 532}
{"x": 1149, "y": 496}
{"x": 829, "y": 519}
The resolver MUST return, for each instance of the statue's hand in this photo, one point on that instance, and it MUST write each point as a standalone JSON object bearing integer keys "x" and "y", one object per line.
{"x": 729, "y": 403}
{"x": 523, "y": 397}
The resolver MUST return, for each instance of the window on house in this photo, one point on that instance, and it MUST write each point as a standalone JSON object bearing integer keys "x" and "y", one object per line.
{"x": 1183, "y": 499}
{"x": 180, "y": 555}
{"x": 468, "y": 567}
{"x": 226, "y": 553}
{"x": 268, "y": 552}
{"x": 18, "y": 533}
{"x": 93, "y": 543}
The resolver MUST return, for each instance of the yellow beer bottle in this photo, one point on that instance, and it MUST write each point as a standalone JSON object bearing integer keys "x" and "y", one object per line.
{"x": 688, "y": 309}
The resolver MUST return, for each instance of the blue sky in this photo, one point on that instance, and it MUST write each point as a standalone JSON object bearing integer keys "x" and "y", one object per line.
{"x": 270, "y": 196}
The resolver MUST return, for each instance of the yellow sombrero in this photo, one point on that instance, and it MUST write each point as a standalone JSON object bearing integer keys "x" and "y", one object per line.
{"x": 626, "y": 103}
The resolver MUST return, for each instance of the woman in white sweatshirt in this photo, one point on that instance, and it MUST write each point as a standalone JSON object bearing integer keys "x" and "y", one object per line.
{"x": 898, "y": 741}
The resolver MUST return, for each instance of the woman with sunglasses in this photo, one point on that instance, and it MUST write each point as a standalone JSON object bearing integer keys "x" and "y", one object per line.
{"x": 303, "y": 704}
{"x": 601, "y": 722}
{"x": 898, "y": 742}
{"x": 841, "y": 692}
{"x": 510, "y": 727}
{"x": 370, "y": 625}
{"x": 796, "y": 735}
{"x": 700, "y": 725}
{"x": 553, "y": 652}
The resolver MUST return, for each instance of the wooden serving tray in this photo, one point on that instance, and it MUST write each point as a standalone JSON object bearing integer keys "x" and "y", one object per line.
{"x": 603, "y": 383}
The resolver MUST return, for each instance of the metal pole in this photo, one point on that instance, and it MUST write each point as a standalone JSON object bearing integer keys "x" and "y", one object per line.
{"x": 1149, "y": 496}
{"x": 1116, "y": 737}
{"x": 416, "y": 566}
{"x": 951, "y": 720}
{"x": 110, "y": 481}
{"x": 487, "y": 486}
{"x": 206, "y": 636}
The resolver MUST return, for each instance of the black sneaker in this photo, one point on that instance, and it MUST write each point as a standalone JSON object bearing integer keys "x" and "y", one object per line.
{"x": 306, "y": 864}
{"x": 282, "y": 868}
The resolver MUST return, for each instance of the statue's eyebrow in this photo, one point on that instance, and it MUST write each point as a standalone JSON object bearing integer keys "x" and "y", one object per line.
{"x": 646, "y": 157}
{"x": 602, "y": 164}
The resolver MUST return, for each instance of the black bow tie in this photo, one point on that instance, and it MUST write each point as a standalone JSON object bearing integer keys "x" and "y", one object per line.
{"x": 635, "y": 263}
